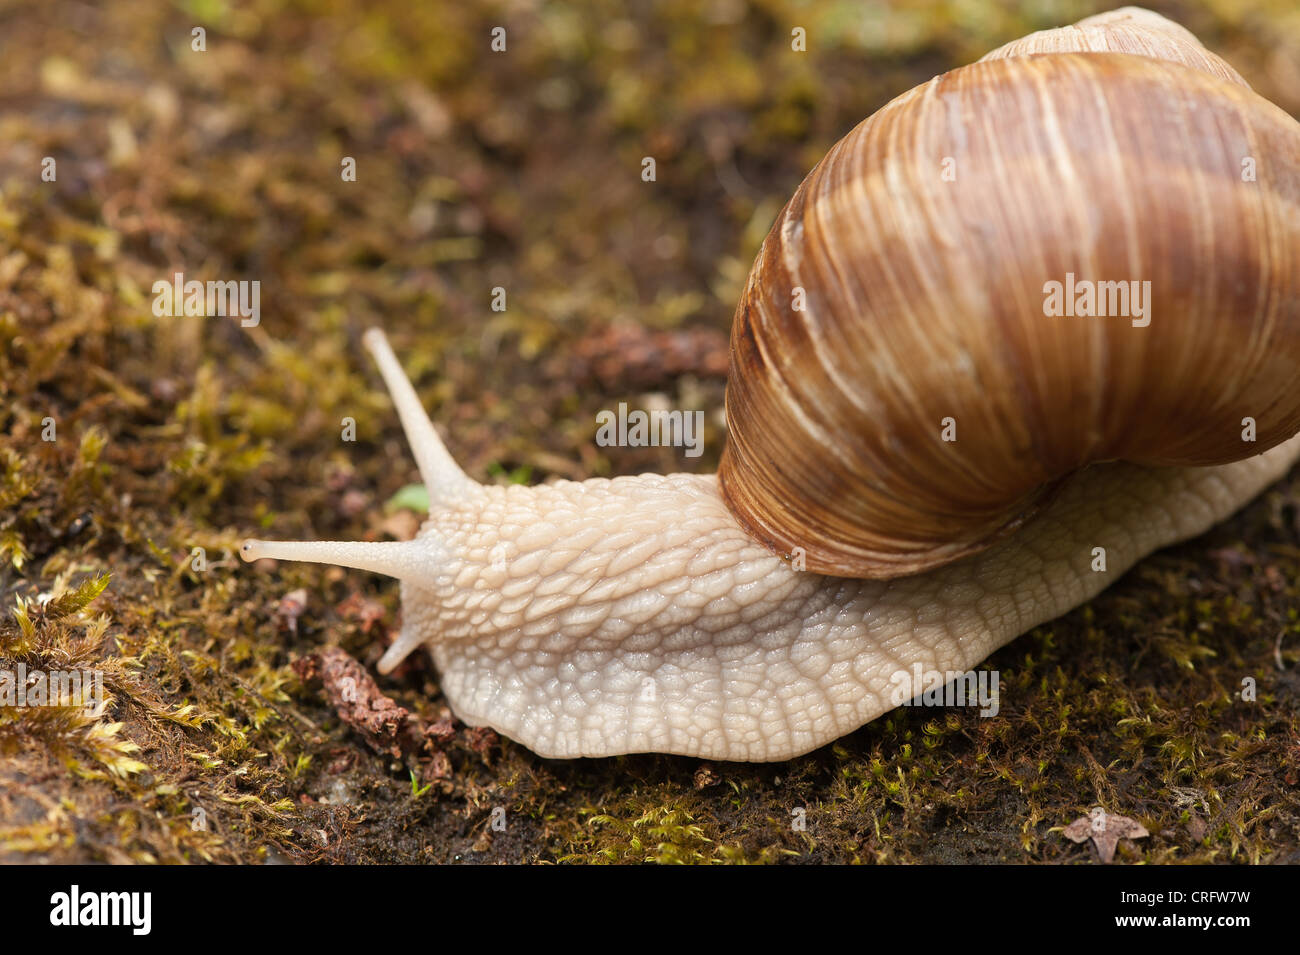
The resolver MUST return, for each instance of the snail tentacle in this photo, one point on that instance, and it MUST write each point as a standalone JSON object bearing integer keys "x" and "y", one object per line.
{"x": 439, "y": 471}
{"x": 403, "y": 560}
{"x": 447, "y": 485}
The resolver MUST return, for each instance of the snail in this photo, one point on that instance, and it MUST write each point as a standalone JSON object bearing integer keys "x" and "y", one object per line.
{"x": 923, "y": 459}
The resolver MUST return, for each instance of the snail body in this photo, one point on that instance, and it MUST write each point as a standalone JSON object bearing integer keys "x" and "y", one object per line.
{"x": 765, "y": 611}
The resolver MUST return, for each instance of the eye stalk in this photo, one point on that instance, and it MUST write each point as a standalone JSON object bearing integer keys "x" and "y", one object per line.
{"x": 447, "y": 485}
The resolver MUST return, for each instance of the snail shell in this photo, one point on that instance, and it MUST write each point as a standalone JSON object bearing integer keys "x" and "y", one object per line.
{"x": 923, "y": 299}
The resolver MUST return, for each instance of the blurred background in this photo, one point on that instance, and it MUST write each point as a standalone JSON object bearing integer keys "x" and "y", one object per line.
{"x": 519, "y": 169}
{"x": 475, "y": 170}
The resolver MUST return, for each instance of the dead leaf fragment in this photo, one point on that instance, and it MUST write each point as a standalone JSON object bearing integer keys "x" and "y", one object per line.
{"x": 1105, "y": 831}
{"x": 626, "y": 356}
{"x": 385, "y": 725}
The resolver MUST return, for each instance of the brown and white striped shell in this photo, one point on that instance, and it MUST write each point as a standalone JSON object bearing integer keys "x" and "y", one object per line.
{"x": 899, "y": 396}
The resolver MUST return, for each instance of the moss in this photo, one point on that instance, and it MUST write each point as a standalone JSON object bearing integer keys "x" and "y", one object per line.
{"x": 175, "y": 437}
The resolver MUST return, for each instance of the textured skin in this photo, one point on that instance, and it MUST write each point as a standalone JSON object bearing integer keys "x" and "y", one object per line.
{"x": 635, "y": 615}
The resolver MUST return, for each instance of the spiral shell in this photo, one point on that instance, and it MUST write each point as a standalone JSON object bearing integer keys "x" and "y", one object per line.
{"x": 900, "y": 395}
{"x": 1126, "y": 30}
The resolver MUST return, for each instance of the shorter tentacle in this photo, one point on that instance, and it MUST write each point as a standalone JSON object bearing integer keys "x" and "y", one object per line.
{"x": 410, "y": 637}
